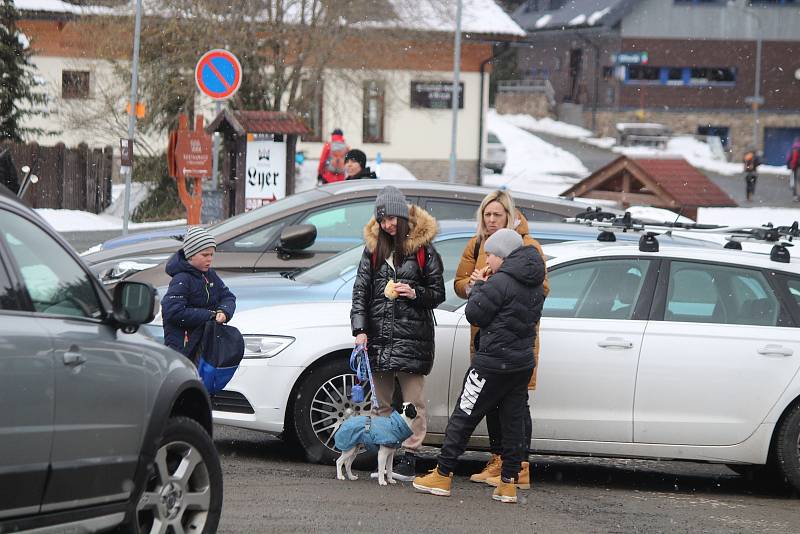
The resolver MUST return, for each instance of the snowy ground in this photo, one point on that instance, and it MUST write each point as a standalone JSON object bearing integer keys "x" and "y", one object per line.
{"x": 110, "y": 219}
{"x": 532, "y": 164}
{"x": 692, "y": 149}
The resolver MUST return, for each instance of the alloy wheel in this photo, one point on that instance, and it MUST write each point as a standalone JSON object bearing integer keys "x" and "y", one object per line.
{"x": 177, "y": 496}
{"x": 332, "y": 404}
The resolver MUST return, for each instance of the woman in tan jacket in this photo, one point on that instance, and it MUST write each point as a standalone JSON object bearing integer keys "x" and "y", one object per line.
{"x": 494, "y": 213}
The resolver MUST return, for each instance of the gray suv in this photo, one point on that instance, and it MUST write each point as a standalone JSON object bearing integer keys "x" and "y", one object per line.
{"x": 97, "y": 429}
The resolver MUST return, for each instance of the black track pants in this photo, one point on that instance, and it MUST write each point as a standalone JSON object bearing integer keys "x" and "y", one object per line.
{"x": 481, "y": 393}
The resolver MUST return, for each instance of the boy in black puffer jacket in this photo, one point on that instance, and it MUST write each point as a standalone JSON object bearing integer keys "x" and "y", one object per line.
{"x": 506, "y": 307}
{"x": 196, "y": 293}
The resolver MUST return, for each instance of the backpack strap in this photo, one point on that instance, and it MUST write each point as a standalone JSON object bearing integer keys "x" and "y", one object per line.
{"x": 476, "y": 250}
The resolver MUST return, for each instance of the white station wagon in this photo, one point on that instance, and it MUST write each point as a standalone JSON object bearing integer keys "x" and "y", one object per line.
{"x": 683, "y": 353}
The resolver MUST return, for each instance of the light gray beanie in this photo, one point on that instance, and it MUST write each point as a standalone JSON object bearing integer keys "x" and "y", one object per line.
{"x": 197, "y": 239}
{"x": 390, "y": 202}
{"x": 503, "y": 242}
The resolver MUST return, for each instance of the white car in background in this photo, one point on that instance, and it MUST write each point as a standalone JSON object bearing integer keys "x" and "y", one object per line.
{"x": 684, "y": 353}
{"x": 495, "y": 154}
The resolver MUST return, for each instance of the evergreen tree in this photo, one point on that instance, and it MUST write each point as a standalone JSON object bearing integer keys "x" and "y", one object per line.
{"x": 18, "y": 99}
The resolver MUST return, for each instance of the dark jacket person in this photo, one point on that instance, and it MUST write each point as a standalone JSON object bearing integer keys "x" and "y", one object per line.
{"x": 506, "y": 308}
{"x": 196, "y": 293}
{"x": 399, "y": 283}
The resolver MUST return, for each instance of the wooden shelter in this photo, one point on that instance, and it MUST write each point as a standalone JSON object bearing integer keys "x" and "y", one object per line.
{"x": 670, "y": 183}
{"x": 238, "y": 128}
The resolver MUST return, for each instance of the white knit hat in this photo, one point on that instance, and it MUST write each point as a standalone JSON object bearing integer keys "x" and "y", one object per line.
{"x": 197, "y": 239}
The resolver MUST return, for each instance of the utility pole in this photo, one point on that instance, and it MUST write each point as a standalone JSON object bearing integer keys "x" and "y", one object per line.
{"x": 456, "y": 84}
{"x": 128, "y": 171}
{"x": 756, "y": 100}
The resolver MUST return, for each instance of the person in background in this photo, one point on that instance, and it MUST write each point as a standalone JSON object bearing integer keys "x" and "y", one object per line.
{"x": 496, "y": 211}
{"x": 793, "y": 163}
{"x": 355, "y": 166}
{"x": 398, "y": 285}
{"x": 506, "y": 307}
{"x": 751, "y": 162}
{"x": 331, "y": 161}
{"x": 196, "y": 293}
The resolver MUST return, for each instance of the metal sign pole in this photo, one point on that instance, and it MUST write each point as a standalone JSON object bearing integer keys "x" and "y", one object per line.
{"x": 215, "y": 155}
{"x": 456, "y": 77}
{"x": 132, "y": 112}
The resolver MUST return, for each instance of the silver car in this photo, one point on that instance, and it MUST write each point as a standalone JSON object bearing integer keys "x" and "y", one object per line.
{"x": 495, "y": 154}
{"x": 97, "y": 429}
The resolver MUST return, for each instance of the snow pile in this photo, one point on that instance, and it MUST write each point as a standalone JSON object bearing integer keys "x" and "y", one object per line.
{"x": 532, "y": 165}
{"x": 57, "y": 6}
{"x": 82, "y": 221}
{"x": 548, "y": 126}
{"x": 748, "y": 216}
{"x": 696, "y": 152}
{"x": 595, "y": 17}
{"x": 543, "y": 21}
{"x": 139, "y": 192}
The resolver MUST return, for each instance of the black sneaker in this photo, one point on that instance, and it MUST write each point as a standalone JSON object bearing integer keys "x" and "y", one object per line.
{"x": 403, "y": 467}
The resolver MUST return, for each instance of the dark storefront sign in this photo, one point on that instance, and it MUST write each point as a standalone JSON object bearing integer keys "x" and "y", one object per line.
{"x": 435, "y": 95}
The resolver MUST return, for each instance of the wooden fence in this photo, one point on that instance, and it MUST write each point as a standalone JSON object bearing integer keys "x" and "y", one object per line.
{"x": 69, "y": 178}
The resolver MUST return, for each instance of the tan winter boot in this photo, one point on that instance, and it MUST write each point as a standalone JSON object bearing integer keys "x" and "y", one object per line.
{"x": 523, "y": 479}
{"x": 492, "y": 469}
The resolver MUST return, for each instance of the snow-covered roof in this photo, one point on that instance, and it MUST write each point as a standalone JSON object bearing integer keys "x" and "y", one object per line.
{"x": 574, "y": 14}
{"x": 58, "y": 6}
{"x": 478, "y": 16}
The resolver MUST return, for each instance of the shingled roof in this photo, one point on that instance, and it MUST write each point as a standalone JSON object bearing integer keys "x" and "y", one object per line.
{"x": 670, "y": 183}
{"x": 259, "y": 122}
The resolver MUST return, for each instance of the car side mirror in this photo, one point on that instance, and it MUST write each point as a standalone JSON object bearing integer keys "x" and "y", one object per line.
{"x": 297, "y": 237}
{"x": 134, "y": 304}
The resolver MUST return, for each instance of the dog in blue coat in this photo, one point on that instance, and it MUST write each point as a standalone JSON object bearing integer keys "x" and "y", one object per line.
{"x": 362, "y": 432}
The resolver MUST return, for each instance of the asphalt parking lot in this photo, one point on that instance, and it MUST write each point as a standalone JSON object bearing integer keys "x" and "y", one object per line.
{"x": 269, "y": 488}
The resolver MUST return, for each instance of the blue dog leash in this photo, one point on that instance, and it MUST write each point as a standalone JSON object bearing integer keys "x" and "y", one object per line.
{"x": 359, "y": 363}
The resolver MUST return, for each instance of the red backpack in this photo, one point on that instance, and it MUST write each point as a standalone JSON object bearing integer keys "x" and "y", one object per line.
{"x": 335, "y": 161}
{"x": 420, "y": 258}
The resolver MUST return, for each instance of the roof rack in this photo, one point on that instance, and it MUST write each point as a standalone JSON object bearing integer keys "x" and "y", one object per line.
{"x": 609, "y": 223}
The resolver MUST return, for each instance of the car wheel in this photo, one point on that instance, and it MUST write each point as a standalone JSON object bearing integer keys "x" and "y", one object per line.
{"x": 322, "y": 403}
{"x": 183, "y": 490}
{"x": 787, "y": 447}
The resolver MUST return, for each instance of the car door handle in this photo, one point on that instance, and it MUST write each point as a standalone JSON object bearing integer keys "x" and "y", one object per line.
{"x": 615, "y": 343}
{"x": 72, "y": 358}
{"x": 775, "y": 350}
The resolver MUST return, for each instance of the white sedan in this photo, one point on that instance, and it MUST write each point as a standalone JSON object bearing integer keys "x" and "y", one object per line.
{"x": 684, "y": 353}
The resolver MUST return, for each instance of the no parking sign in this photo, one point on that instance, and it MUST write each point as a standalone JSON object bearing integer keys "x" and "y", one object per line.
{"x": 218, "y": 74}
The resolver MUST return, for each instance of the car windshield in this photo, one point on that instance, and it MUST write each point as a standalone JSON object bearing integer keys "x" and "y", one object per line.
{"x": 492, "y": 138}
{"x": 336, "y": 267}
{"x": 247, "y": 217}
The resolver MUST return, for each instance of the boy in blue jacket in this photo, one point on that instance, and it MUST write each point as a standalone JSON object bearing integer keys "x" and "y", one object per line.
{"x": 196, "y": 293}
{"x": 506, "y": 308}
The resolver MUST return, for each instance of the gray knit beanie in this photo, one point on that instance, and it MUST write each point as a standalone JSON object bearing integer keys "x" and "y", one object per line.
{"x": 197, "y": 239}
{"x": 390, "y": 202}
{"x": 503, "y": 242}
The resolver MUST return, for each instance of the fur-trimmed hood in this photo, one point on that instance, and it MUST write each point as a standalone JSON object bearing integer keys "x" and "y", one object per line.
{"x": 422, "y": 230}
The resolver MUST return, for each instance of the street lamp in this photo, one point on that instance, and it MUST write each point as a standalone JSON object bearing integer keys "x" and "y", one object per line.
{"x": 756, "y": 100}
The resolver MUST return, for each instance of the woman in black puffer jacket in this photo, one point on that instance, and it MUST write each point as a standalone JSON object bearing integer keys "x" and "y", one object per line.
{"x": 398, "y": 285}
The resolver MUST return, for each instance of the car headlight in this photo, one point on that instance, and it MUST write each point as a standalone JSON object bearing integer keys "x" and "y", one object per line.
{"x": 123, "y": 270}
{"x": 265, "y": 346}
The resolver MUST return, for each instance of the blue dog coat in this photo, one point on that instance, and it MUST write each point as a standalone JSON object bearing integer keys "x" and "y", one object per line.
{"x": 372, "y": 432}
